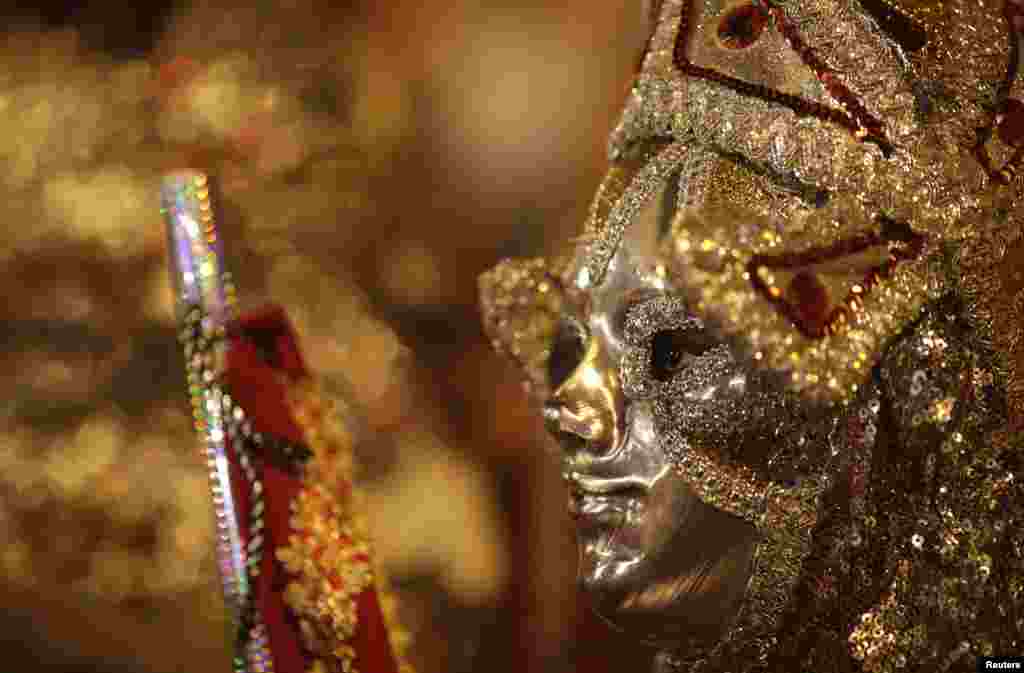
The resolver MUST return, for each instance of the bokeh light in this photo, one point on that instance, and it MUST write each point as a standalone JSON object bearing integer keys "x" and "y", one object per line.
{"x": 370, "y": 161}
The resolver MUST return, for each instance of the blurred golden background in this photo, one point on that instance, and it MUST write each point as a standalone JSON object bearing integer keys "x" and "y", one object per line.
{"x": 373, "y": 159}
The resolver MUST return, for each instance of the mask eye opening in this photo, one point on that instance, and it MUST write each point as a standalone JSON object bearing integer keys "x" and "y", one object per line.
{"x": 567, "y": 350}
{"x": 672, "y": 348}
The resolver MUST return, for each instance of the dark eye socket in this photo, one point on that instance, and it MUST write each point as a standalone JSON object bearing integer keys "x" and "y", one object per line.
{"x": 670, "y": 349}
{"x": 566, "y": 353}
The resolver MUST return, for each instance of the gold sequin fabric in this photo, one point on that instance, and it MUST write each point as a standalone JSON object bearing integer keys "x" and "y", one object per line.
{"x": 905, "y": 554}
{"x": 329, "y": 553}
{"x": 521, "y": 301}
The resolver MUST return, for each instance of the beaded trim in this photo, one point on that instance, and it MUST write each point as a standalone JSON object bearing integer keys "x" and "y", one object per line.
{"x": 329, "y": 552}
{"x": 204, "y": 294}
{"x": 215, "y": 411}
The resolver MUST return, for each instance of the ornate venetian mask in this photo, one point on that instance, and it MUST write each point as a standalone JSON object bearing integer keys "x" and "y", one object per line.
{"x": 805, "y": 197}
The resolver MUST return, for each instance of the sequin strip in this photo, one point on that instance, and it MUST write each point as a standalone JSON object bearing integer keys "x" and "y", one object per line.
{"x": 204, "y": 296}
{"x": 199, "y": 280}
{"x": 623, "y": 196}
{"x": 252, "y": 646}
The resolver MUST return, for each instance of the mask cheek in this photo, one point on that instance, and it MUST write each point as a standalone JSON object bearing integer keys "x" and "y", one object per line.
{"x": 729, "y": 417}
{"x": 730, "y": 487}
{"x": 710, "y": 404}
{"x": 707, "y": 426}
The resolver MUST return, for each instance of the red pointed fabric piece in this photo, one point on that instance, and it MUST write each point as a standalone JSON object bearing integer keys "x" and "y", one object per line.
{"x": 371, "y": 641}
{"x": 263, "y": 360}
{"x": 287, "y": 652}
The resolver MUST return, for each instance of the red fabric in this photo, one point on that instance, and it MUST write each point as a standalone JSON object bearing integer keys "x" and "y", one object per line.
{"x": 258, "y": 377}
{"x": 263, "y": 358}
{"x": 282, "y": 629}
{"x": 371, "y": 639}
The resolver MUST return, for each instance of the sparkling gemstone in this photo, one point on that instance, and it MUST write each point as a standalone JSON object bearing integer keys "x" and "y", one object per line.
{"x": 742, "y": 26}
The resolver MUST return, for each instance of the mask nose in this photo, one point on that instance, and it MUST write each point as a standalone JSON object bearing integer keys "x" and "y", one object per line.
{"x": 586, "y": 412}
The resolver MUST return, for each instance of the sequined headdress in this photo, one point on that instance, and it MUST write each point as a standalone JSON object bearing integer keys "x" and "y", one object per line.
{"x": 842, "y": 164}
{"x": 846, "y": 189}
